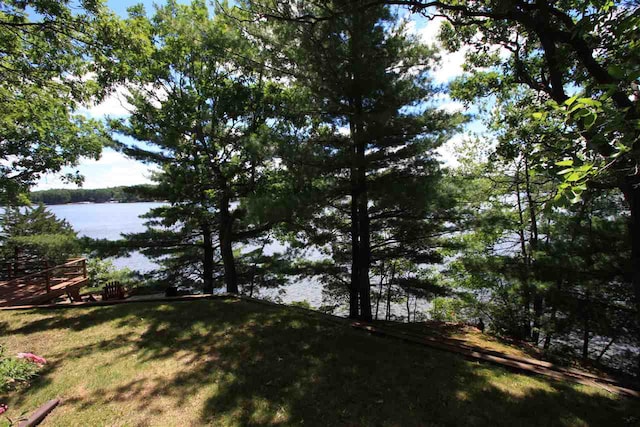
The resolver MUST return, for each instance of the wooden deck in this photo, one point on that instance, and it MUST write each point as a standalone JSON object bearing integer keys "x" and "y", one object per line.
{"x": 45, "y": 286}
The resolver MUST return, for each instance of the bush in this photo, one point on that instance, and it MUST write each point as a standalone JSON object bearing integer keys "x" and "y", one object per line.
{"x": 446, "y": 309}
{"x": 102, "y": 271}
{"x": 302, "y": 304}
{"x": 15, "y": 373}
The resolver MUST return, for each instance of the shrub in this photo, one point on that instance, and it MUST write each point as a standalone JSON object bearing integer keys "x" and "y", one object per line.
{"x": 102, "y": 271}
{"x": 446, "y": 309}
{"x": 16, "y": 372}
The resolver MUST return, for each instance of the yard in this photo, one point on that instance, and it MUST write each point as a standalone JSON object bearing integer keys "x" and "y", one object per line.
{"x": 230, "y": 362}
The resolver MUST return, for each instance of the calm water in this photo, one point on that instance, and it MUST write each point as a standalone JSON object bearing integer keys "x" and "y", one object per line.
{"x": 110, "y": 220}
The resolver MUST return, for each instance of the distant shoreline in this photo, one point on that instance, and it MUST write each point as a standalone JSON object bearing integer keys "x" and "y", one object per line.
{"x": 122, "y": 194}
{"x": 105, "y": 203}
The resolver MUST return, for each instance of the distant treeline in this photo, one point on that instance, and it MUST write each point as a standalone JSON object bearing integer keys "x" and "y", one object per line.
{"x": 99, "y": 195}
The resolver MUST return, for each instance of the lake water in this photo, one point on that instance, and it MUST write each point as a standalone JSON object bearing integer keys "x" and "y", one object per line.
{"x": 111, "y": 220}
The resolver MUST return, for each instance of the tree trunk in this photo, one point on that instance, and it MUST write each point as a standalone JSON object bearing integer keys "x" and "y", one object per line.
{"x": 538, "y": 301}
{"x": 364, "y": 258}
{"x": 606, "y": 348}
{"x": 391, "y": 277}
{"x": 554, "y": 298}
{"x": 379, "y": 296}
{"x": 207, "y": 261}
{"x": 226, "y": 247}
{"x": 631, "y": 191}
{"x": 585, "y": 328}
{"x": 365, "y": 252}
{"x": 354, "y": 311}
{"x": 526, "y": 291}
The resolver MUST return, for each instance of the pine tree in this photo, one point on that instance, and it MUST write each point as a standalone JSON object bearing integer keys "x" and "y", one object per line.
{"x": 368, "y": 148}
{"x": 200, "y": 114}
{"x": 33, "y": 238}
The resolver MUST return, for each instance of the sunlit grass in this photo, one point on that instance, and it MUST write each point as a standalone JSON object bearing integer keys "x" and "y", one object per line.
{"x": 226, "y": 362}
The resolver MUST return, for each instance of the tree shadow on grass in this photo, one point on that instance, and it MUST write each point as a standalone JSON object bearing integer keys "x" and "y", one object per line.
{"x": 249, "y": 364}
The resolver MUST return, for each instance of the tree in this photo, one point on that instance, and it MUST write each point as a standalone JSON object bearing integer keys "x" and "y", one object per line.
{"x": 33, "y": 237}
{"x": 556, "y": 49}
{"x": 369, "y": 141}
{"x": 201, "y": 114}
{"x": 536, "y": 271}
{"x": 46, "y": 52}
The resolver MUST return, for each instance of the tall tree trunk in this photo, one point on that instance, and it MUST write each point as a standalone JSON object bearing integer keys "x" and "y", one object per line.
{"x": 538, "y": 301}
{"x": 364, "y": 289}
{"x": 364, "y": 258}
{"x": 226, "y": 247}
{"x": 526, "y": 291}
{"x": 585, "y": 330}
{"x": 631, "y": 191}
{"x": 354, "y": 304}
{"x": 359, "y": 69}
{"x": 555, "y": 296}
{"x": 207, "y": 261}
{"x": 379, "y": 296}
{"x": 408, "y": 304}
{"x": 389, "y": 283}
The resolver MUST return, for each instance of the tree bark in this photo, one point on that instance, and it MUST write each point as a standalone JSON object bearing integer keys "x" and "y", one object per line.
{"x": 207, "y": 261}
{"x": 391, "y": 277}
{"x": 379, "y": 296}
{"x": 538, "y": 300}
{"x": 226, "y": 247}
{"x": 364, "y": 289}
{"x": 526, "y": 291}
{"x": 631, "y": 191}
{"x": 585, "y": 331}
{"x": 354, "y": 304}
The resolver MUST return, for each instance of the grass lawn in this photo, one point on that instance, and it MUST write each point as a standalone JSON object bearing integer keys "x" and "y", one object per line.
{"x": 229, "y": 362}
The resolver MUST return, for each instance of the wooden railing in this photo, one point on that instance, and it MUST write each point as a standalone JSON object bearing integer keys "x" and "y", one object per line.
{"x": 73, "y": 268}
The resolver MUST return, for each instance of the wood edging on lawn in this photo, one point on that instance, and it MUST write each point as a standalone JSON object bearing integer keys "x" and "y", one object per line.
{"x": 515, "y": 363}
{"x": 40, "y": 414}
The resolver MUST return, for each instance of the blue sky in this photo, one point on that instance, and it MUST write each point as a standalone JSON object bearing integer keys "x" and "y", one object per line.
{"x": 114, "y": 169}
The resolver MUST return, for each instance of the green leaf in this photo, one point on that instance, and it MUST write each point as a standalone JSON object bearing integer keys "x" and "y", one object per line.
{"x": 566, "y": 162}
{"x": 571, "y": 100}
{"x": 576, "y": 199}
{"x": 590, "y": 102}
{"x": 616, "y": 71}
{"x": 575, "y": 176}
{"x": 590, "y": 120}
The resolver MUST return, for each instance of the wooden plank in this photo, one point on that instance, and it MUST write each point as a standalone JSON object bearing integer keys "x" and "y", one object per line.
{"x": 40, "y": 414}
{"x": 56, "y": 291}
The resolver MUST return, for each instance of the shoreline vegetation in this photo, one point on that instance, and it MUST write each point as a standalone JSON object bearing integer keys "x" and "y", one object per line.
{"x": 66, "y": 196}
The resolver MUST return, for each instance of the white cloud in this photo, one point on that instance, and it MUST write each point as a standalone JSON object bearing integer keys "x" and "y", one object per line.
{"x": 448, "y": 152}
{"x": 114, "y": 105}
{"x": 451, "y": 64}
{"x": 113, "y": 169}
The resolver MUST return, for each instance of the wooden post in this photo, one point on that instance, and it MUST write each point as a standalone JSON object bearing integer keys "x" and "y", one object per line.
{"x": 84, "y": 267}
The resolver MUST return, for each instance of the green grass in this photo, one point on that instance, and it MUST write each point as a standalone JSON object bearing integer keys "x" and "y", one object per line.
{"x": 229, "y": 362}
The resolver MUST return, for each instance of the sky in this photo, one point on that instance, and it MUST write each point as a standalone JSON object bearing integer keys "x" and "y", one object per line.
{"x": 114, "y": 169}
